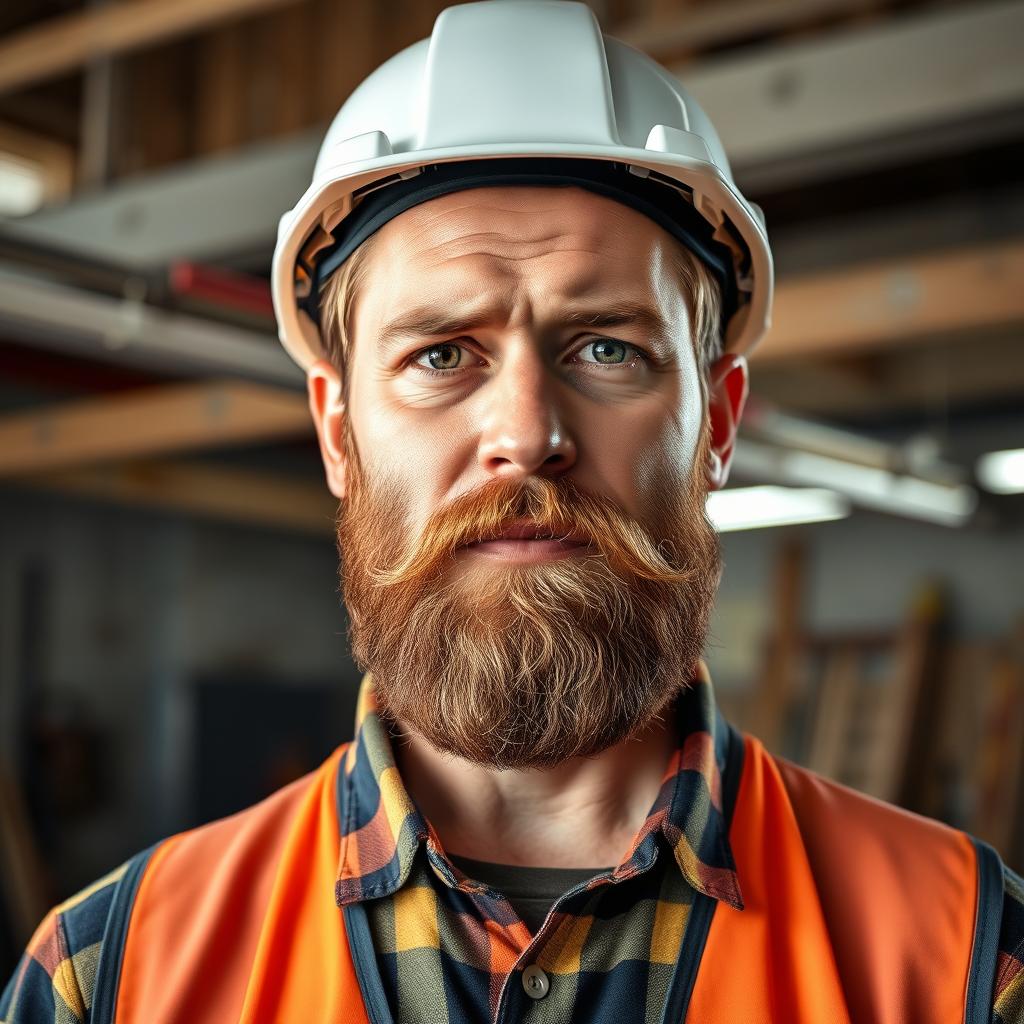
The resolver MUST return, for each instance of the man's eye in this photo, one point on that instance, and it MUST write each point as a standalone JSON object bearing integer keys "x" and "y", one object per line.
{"x": 442, "y": 358}
{"x": 610, "y": 352}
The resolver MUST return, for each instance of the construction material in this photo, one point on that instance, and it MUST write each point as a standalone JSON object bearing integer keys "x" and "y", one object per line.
{"x": 67, "y": 42}
{"x": 148, "y": 422}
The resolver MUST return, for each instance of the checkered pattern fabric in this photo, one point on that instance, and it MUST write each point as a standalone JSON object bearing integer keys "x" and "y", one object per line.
{"x": 1009, "y": 996}
{"x": 55, "y": 979}
{"x": 446, "y": 946}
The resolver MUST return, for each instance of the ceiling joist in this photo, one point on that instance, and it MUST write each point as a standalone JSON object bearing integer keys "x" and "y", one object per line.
{"x": 699, "y": 27}
{"x": 886, "y": 304}
{"x": 67, "y": 42}
{"x": 149, "y": 422}
{"x": 217, "y": 492}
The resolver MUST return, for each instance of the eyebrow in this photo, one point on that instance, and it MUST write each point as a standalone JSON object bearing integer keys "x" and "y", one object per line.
{"x": 431, "y": 322}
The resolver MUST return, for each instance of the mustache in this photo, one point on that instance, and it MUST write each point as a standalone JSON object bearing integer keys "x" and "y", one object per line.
{"x": 559, "y": 507}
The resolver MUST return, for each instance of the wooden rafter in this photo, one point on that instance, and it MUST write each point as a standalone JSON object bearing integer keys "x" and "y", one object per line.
{"x": 148, "y": 422}
{"x": 218, "y": 492}
{"x": 701, "y": 26}
{"x": 67, "y": 42}
{"x": 893, "y": 302}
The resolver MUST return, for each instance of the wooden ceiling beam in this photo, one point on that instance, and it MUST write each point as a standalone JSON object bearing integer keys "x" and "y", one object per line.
{"x": 700, "y": 27}
{"x": 217, "y": 492}
{"x": 893, "y": 302}
{"x": 148, "y": 422}
{"x": 927, "y": 381}
{"x": 64, "y": 43}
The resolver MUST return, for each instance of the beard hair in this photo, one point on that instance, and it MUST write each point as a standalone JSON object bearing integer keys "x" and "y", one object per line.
{"x": 514, "y": 665}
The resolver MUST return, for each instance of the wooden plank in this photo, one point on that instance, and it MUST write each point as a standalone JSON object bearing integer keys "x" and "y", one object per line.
{"x": 833, "y": 717}
{"x": 927, "y": 79}
{"x": 150, "y": 421}
{"x": 158, "y": 124}
{"x": 278, "y": 93}
{"x": 221, "y": 79}
{"x": 66, "y": 42}
{"x": 997, "y": 769}
{"x": 779, "y": 681}
{"x": 898, "y": 743}
{"x": 876, "y": 306}
{"x": 886, "y": 381}
{"x": 346, "y": 48}
{"x": 218, "y": 492}
{"x": 713, "y": 24}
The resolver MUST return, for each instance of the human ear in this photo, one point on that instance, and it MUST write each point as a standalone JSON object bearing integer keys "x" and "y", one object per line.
{"x": 728, "y": 387}
{"x": 323, "y": 383}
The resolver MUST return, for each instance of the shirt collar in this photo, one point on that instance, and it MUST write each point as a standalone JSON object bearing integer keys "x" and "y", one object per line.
{"x": 382, "y": 829}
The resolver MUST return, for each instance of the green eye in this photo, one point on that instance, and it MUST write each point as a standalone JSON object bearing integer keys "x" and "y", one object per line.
{"x": 608, "y": 351}
{"x": 448, "y": 351}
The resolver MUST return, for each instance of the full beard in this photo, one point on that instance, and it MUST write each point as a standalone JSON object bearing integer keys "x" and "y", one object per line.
{"x": 516, "y": 665}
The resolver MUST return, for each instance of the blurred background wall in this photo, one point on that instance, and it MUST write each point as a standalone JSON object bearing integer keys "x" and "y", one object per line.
{"x": 172, "y": 645}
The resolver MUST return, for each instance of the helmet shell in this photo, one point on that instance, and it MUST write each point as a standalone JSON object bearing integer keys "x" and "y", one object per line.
{"x": 514, "y": 79}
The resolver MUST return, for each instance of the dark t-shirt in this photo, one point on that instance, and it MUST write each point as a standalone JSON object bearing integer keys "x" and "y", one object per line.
{"x": 531, "y": 891}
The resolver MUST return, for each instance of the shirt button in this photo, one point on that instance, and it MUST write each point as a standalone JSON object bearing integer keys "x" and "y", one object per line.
{"x": 535, "y": 981}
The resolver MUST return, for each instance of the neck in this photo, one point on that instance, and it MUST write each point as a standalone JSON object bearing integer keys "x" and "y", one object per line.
{"x": 582, "y": 813}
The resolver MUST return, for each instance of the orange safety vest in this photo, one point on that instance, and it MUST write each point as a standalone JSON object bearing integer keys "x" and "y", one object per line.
{"x": 856, "y": 912}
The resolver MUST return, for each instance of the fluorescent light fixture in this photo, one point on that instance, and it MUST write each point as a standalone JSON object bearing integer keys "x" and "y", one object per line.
{"x": 947, "y": 504}
{"x": 749, "y": 508}
{"x": 21, "y": 186}
{"x": 1002, "y": 472}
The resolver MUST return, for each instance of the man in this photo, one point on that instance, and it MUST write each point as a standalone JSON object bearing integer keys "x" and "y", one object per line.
{"x": 525, "y": 366}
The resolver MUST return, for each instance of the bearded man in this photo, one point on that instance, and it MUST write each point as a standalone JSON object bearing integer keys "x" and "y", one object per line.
{"x": 523, "y": 326}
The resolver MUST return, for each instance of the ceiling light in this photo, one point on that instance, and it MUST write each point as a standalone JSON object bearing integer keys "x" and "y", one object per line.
{"x": 1002, "y": 472}
{"x": 749, "y": 508}
{"x": 900, "y": 493}
{"x": 21, "y": 186}
{"x": 945, "y": 501}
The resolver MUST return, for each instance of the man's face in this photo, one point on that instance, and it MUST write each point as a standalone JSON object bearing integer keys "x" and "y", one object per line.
{"x": 564, "y": 391}
{"x": 514, "y": 263}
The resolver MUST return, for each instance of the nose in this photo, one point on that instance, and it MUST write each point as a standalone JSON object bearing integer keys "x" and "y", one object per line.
{"x": 524, "y": 429}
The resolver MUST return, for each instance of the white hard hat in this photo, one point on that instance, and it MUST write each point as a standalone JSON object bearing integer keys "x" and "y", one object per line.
{"x": 520, "y": 92}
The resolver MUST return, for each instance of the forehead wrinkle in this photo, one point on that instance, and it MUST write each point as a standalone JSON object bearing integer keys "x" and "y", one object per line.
{"x": 498, "y": 246}
{"x": 458, "y": 253}
{"x": 509, "y": 287}
{"x": 514, "y": 224}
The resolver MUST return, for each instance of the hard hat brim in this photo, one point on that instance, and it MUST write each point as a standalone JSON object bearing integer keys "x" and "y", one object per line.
{"x": 329, "y": 199}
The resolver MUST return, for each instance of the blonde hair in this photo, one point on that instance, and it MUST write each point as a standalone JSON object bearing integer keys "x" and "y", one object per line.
{"x": 338, "y": 298}
{"x": 337, "y": 303}
{"x": 704, "y": 300}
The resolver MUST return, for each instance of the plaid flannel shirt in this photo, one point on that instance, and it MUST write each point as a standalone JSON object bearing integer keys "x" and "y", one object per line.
{"x": 446, "y": 946}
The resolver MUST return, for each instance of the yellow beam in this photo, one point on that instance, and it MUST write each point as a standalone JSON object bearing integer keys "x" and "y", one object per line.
{"x": 147, "y": 422}
{"x": 880, "y": 305}
{"x": 218, "y": 492}
{"x": 66, "y": 42}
